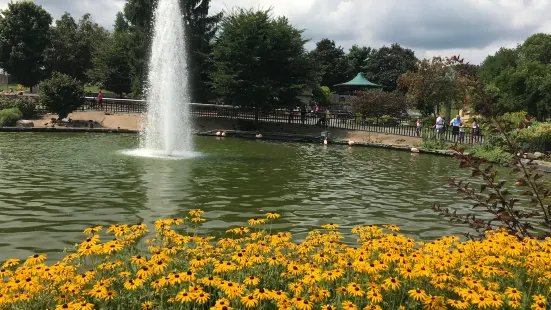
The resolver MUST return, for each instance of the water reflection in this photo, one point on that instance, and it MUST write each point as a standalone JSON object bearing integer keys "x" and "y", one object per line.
{"x": 165, "y": 182}
{"x": 52, "y": 186}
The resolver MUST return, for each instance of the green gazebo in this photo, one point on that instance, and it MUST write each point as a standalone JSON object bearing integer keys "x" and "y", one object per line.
{"x": 358, "y": 83}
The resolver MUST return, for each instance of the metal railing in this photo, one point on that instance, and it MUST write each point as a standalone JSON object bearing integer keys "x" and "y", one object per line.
{"x": 334, "y": 119}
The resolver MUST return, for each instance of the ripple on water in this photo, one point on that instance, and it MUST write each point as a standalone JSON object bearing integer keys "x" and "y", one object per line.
{"x": 52, "y": 186}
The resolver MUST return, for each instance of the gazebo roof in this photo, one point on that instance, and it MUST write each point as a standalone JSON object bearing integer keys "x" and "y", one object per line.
{"x": 359, "y": 81}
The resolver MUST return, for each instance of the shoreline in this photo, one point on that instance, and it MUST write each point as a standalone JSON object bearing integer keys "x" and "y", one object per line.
{"x": 251, "y": 135}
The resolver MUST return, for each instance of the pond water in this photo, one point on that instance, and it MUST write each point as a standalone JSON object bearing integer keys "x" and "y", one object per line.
{"x": 52, "y": 186}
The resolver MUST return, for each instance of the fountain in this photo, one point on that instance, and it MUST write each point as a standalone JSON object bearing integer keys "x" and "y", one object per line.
{"x": 166, "y": 130}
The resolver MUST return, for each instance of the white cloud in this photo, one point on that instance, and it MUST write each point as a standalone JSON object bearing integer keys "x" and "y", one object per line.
{"x": 472, "y": 28}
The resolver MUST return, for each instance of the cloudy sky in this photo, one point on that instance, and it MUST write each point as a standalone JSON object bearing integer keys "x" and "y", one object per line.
{"x": 472, "y": 28}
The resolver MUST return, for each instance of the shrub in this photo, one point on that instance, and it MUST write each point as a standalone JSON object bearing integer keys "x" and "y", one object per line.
{"x": 428, "y": 121}
{"x": 61, "y": 94}
{"x": 27, "y": 107}
{"x": 491, "y": 153}
{"x": 536, "y": 138}
{"x": 435, "y": 144}
{"x": 9, "y": 117}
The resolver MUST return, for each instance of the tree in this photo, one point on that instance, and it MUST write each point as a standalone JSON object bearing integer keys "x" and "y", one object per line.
{"x": 332, "y": 62}
{"x": 121, "y": 25}
{"x": 61, "y": 94}
{"x": 321, "y": 95}
{"x": 24, "y": 35}
{"x": 378, "y": 103}
{"x": 433, "y": 84}
{"x": 200, "y": 30}
{"x": 520, "y": 78}
{"x": 72, "y": 45}
{"x": 259, "y": 61}
{"x": 111, "y": 65}
{"x": 387, "y": 64}
{"x": 357, "y": 57}
{"x": 492, "y": 66}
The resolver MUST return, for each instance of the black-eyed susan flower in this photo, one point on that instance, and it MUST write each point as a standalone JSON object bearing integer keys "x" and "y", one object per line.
{"x": 251, "y": 280}
{"x": 272, "y": 215}
{"x": 249, "y": 301}
{"x": 184, "y": 297}
{"x": 35, "y": 259}
{"x": 417, "y": 294}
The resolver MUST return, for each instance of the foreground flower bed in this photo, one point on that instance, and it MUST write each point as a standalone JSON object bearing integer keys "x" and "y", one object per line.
{"x": 256, "y": 269}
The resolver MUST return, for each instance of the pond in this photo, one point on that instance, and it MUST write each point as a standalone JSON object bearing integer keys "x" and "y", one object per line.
{"x": 52, "y": 186}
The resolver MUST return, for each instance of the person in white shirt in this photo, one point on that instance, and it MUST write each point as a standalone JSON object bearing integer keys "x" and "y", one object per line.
{"x": 439, "y": 125}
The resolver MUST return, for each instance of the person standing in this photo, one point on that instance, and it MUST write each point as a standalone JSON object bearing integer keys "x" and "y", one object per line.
{"x": 475, "y": 131}
{"x": 439, "y": 125}
{"x": 455, "y": 127}
{"x": 418, "y": 128}
{"x": 100, "y": 100}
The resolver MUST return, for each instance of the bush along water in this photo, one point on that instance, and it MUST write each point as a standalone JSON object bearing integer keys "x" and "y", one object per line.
{"x": 255, "y": 268}
{"x": 25, "y": 106}
{"x": 9, "y": 117}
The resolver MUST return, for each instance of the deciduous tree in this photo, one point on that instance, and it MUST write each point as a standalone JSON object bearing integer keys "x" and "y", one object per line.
{"x": 72, "y": 45}
{"x": 331, "y": 60}
{"x": 24, "y": 35}
{"x": 61, "y": 94}
{"x": 111, "y": 66}
{"x": 260, "y": 62}
{"x": 377, "y": 103}
{"x": 385, "y": 65}
{"x": 434, "y": 84}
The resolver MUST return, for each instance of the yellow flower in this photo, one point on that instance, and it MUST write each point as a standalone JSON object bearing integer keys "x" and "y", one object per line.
{"x": 196, "y": 212}
{"x": 147, "y": 305}
{"x": 94, "y": 229}
{"x": 249, "y": 301}
{"x": 256, "y": 221}
{"x": 202, "y": 297}
{"x": 393, "y": 283}
{"x": 272, "y": 215}
{"x": 64, "y": 307}
{"x": 184, "y": 297}
{"x": 417, "y": 294}
{"x": 10, "y": 263}
{"x": 513, "y": 293}
{"x": 374, "y": 296}
{"x": 330, "y": 226}
{"x": 35, "y": 259}
{"x": 252, "y": 280}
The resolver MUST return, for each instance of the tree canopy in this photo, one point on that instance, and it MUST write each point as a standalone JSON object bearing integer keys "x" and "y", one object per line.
{"x": 385, "y": 65}
{"x": 72, "y": 46}
{"x": 332, "y": 62}
{"x": 521, "y": 77}
{"x": 375, "y": 103}
{"x": 259, "y": 61}
{"x": 111, "y": 66}
{"x": 24, "y": 35}
{"x": 434, "y": 83}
